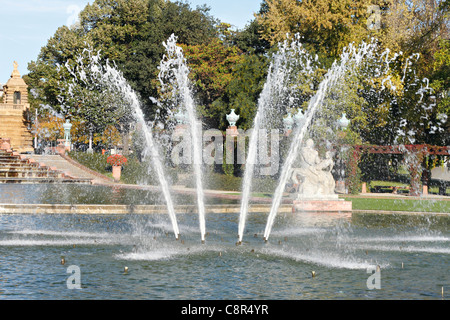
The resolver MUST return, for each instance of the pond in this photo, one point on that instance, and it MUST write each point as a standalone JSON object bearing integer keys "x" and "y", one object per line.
{"x": 413, "y": 256}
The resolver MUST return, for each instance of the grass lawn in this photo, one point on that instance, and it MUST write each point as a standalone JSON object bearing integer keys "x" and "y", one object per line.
{"x": 437, "y": 206}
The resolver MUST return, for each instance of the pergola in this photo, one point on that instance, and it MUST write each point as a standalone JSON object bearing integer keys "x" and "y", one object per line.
{"x": 417, "y": 171}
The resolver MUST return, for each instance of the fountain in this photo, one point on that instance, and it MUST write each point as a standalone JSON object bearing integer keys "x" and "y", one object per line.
{"x": 350, "y": 58}
{"x": 174, "y": 77}
{"x": 279, "y": 92}
{"x": 118, "y": 253}
{"x": 113, "y": 79}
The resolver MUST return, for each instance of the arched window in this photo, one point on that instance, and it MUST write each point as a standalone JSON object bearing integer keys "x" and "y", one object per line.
{"x": 17, "y": 97}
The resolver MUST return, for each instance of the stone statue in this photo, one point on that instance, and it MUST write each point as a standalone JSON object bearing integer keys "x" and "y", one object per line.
{"x": 313, "y": 177}
{"x": 15, "y": 73}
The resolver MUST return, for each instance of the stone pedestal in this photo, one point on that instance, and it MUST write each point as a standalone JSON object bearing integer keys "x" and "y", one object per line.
{"x": 232, "y": 131}
{"x": 60, "y": 147}
{"x": 340, "y": 187}
{"x": 117, "y": 171}
{"x": 329, "y": 203}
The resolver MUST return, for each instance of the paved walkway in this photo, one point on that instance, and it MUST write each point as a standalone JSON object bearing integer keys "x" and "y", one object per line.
{"x": 73, "y": 168}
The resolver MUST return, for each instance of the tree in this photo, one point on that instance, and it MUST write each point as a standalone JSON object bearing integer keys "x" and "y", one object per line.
{"x": 326, "y": 26}
{"x": 242, "y": 92}
{"x": 128, "y": 33}
{"x": 211, "y": 72}
{"x": 191, "y": 26}
{"x": 45, "y": 73}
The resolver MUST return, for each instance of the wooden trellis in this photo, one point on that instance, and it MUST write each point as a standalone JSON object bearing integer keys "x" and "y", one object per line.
{"x": 417, "y": 171}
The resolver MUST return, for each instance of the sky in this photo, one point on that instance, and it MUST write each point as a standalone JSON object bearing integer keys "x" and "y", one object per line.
{"x": 26, "y": 25}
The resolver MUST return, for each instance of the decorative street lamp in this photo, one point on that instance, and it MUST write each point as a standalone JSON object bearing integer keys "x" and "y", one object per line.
{"x": 288, "y": 123}
{"x": 67, "y": 126}
{"x": 340, "y": 165}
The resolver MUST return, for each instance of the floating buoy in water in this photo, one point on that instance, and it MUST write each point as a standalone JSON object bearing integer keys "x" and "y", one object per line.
{"x": 313, "y": 274}
{"x": 125, "y": 270}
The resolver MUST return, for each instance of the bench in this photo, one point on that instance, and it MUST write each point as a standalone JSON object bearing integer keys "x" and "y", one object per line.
{"x": 393, "y": 188}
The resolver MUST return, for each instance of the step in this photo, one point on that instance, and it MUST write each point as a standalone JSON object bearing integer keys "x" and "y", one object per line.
{"x": 24, "y": 169}
{"x": 18, "y": 164}
{"x": 43, "y": 180}
{"x": 28, "y": 174}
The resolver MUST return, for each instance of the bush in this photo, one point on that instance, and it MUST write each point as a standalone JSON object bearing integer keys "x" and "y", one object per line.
{"x": 94, "y": 161}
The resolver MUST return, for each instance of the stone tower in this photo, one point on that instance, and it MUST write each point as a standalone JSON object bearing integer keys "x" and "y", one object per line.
{"x": 14, "y": 114}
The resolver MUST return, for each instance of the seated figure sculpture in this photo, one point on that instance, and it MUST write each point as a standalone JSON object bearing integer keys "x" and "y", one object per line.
{"x": 313, "y": 177}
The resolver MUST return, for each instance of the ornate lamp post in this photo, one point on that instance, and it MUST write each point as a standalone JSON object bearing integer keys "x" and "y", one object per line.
{"x": 288, "y": 123}
{"x": 343, "y": 123}
{"x": 67, "y": 137}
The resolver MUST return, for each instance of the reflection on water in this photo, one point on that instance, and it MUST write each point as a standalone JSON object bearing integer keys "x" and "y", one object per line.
{"x": 414, "y": 257}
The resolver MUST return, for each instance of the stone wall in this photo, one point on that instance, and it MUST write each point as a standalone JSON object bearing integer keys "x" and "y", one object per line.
{"x": 14, "y": 125}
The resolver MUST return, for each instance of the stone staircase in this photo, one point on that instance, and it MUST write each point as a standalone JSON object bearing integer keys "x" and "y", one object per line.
{"x": 17, "y": 168}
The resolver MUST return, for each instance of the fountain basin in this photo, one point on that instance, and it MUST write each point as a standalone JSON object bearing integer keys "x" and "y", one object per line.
{"x": 413, "y": 256}
{"x": 322, "y": 205}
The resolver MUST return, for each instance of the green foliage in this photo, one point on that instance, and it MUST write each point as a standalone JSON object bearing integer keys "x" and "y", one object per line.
{"x": 229, "y": 68}
{"x": 93, "y": 161}
{"x": 242, "y": 93}
{"x": 211, "y": 67}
